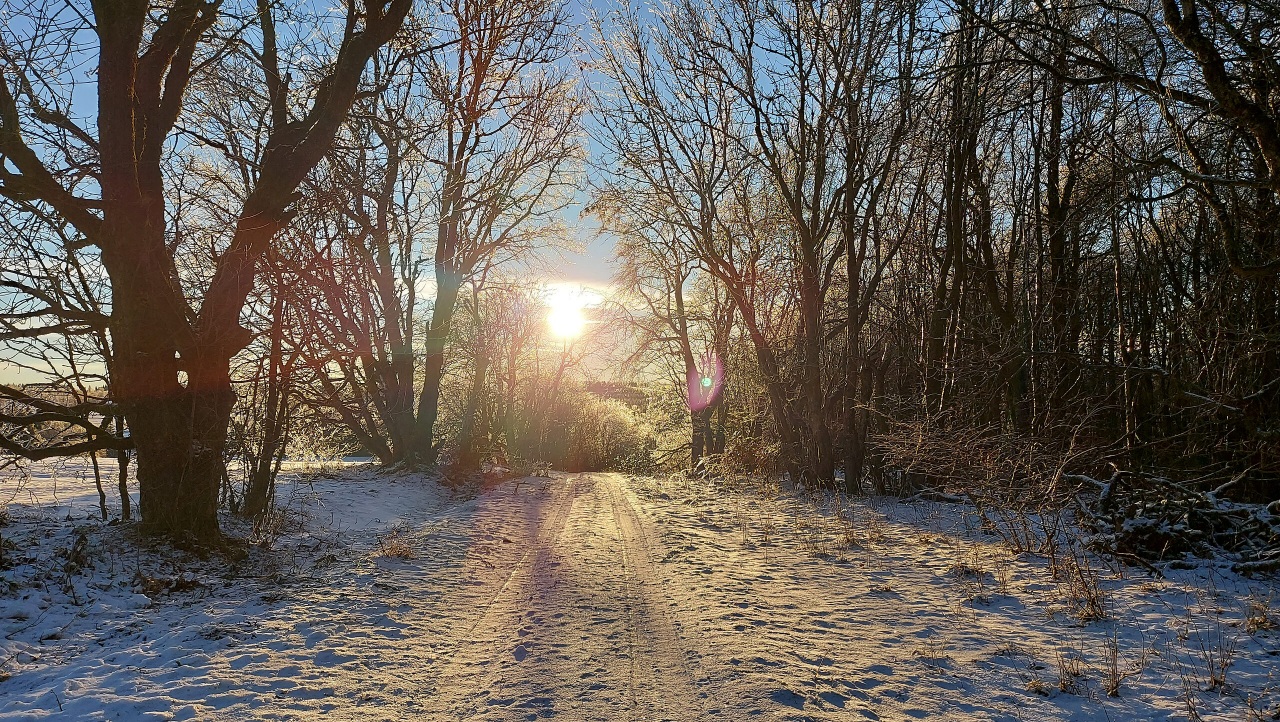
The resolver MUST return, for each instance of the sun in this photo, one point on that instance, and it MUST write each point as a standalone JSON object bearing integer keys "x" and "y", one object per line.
{"x": 566, "y": 321}
{"x": 567, "y": 308}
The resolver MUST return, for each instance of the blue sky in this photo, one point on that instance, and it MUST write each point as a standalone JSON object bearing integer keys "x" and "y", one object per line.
{"x": 592, "y": 265}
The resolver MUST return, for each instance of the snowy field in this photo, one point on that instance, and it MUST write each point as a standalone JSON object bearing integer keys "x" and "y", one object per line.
{"x": 602, "y": 597}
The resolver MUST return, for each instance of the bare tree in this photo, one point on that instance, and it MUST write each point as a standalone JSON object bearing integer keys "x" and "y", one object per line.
{"x": 55, "y": 331}
{"x": 681, "y": 315}
{"x": 507, "y": 134}
{"x": 171, "y": 342}
{"x": 460, "y": 164}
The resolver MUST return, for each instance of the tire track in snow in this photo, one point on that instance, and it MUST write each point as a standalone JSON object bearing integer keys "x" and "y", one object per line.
{"x": 473, "y": 661}
{"x": 660, "y": 668}
{"x": 581, "y": 627}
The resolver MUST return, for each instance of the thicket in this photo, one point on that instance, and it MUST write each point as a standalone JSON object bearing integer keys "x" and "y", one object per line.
{"x": 1024, "y": 254}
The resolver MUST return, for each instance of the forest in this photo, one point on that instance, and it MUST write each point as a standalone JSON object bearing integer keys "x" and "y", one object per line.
{"x": 1020, "y": 256}
{"x": 997, "y": 249}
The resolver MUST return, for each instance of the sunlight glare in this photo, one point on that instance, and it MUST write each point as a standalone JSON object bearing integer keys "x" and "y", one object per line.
{"x": 567, "y": 305}
{"x": 566, "y": 321}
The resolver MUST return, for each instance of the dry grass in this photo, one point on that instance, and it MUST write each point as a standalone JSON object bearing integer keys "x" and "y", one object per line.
{"x": 1258, "y": 707}
{"x": 875, "y": 528}
{"x": 1217, "y": 653}
{"x": 397, "y": 549}
{"x": 267, "y": 527}
{"x": 970, "y": 567}
{"x": 1216, "y": 648}
{"x": 1039, "y": 686}
{"x": 813, "y": 533}
{"x": 972, "y": 575}
{"x": 394, "y": 545}
{"x": 768, "y": 488}
{"x": 1111, "y": 674}
{"x": 768, "y": 529}
{"x": 859, "y": 528}
{"x": 933, "y": 650}
{"x": 850, "y": 534}
{"x": 1009, "y": 649}
{"x": 1259, "y": 614}
{"x": 1190, "y": 701}
{"x": 1004, "y": 575}
{"x": 1070, "y": 673}
{"x": 744, "y": 524}
{"x": 1085, "y": 597}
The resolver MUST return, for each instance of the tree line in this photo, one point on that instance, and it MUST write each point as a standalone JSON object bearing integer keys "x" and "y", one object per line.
{"x": 991, "y": 243}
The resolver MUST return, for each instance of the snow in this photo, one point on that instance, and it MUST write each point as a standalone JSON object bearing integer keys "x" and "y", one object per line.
{"x": 599, "y": 596}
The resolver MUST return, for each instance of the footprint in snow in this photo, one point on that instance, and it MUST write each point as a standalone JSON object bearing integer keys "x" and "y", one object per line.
{"x": 332, "y": 658}
{"x": 520, "y": 653}
{"x": 788, "y": 698}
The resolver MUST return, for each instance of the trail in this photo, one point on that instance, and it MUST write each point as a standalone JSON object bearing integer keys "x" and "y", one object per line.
{"x": 579, "y": 626}
{"x": 535, "y": 599}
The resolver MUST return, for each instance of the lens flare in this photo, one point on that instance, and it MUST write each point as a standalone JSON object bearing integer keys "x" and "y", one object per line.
{"x": 705, "y": 383}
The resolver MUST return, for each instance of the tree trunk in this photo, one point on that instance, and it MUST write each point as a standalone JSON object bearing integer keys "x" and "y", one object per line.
{"x": 179, "y": 431}
{"x": 702, "y": 441}
{"x": 820, "y": 456}
{"x": 423, "y": 451}
{"x": 1063, "y": 256}
{"x": 468, "y": 458}
{"x": 171, "y": 364}
{"x": 179, "y": 439}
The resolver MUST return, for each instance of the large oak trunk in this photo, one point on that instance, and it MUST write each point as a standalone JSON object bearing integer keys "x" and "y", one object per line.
{"x": 177, "y": 400}
{"x": 169, "y": 359}
{"x": 179, "y": 441}
{"x": 179, "y": 431}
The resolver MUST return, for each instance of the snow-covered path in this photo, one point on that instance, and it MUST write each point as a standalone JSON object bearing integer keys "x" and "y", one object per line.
{"x": 578, "y": 625}
{"x": 530, "y": 600}
{"x": 602, "y": 597}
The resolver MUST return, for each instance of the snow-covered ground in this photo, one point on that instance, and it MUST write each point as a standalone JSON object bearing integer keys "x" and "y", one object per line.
{"x": 602, "y": 597}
